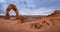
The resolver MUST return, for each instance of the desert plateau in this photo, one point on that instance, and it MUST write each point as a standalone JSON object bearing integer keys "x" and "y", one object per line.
{"x": 31, "y": 23}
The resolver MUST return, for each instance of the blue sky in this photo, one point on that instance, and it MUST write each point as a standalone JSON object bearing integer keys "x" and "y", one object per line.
{"x": 31, "y": 7}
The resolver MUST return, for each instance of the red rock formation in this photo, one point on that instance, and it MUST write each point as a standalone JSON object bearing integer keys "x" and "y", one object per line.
{"x": 14, "y": 8}
{"x": 55, "y": 13}
{"x": 43, "y": 24}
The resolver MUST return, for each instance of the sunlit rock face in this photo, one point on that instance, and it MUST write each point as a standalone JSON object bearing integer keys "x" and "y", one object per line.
{"x": 57, "y": 12}
{"x": 14, "y": 8}
{"x": 32, "y": 24}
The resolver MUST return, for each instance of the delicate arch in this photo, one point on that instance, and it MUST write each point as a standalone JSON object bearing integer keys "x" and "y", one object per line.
{"x": 11, "y": 6}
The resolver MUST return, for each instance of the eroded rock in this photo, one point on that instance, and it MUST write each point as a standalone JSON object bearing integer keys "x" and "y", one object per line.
{"x": 14, "y": 8}
{"x": 37, "y": 26}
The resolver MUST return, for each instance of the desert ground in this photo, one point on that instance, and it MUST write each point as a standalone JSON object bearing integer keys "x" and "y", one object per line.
{"x": 48, "y": 23}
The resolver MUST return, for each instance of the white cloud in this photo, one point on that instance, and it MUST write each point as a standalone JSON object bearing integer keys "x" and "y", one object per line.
{"x": 31, "y": 7}
{"x": 1, "y": 0}
{"x": 40, "y": 11}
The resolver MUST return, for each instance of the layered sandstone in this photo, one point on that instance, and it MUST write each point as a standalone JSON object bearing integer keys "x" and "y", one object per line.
{"x": 14, "y": 8}
{"x": 49, "y": 23}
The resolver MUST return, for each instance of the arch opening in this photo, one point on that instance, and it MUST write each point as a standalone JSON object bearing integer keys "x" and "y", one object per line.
{"x": 13, "y": 7}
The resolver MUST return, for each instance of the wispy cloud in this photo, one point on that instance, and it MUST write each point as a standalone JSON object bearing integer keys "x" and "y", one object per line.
{"x": 31, "y": 7}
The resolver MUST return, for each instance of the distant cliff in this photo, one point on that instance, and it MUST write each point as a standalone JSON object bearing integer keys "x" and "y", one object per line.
{"x": 55, "y": 13}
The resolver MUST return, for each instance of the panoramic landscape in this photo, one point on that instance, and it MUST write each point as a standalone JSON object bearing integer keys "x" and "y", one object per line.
{"x": 29, "y": 15}
{"x": 48, "y": 23}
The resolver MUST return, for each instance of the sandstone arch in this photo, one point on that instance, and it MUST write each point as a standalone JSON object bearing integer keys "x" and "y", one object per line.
{"x": 14, "y": 8}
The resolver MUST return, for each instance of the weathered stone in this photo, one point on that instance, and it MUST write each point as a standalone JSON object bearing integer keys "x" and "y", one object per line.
{"x": 14, "y": 8}
{"x": 36, "y": 26}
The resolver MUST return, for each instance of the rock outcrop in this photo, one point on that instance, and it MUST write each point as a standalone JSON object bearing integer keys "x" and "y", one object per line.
{"x": 55, "y": 13}
{"x": 14, "y": 8}
{"x": 33, "y": 24}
